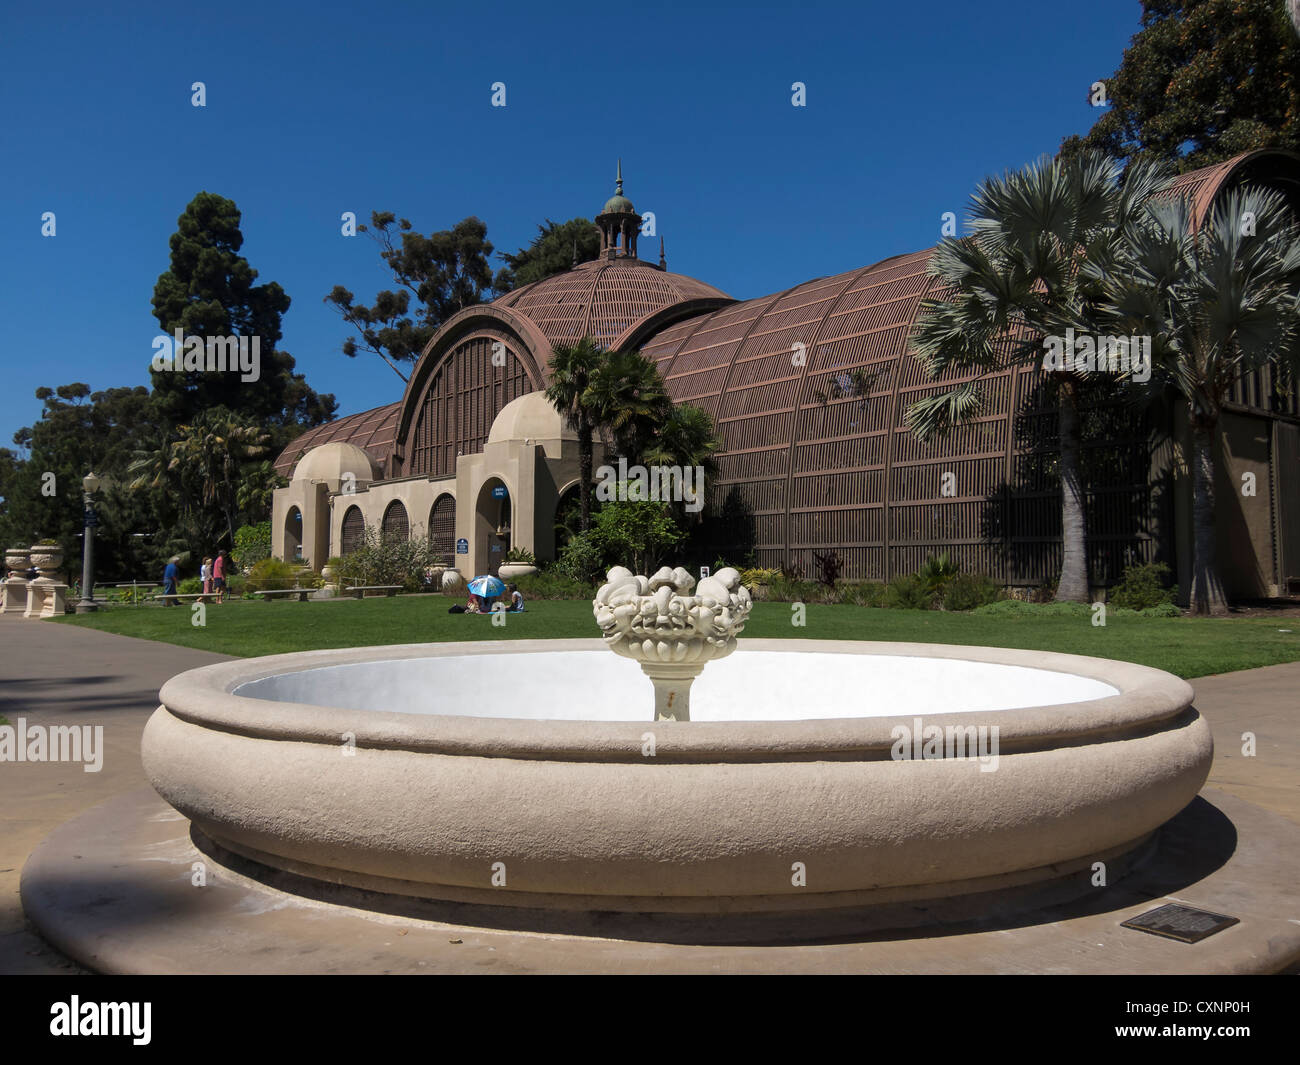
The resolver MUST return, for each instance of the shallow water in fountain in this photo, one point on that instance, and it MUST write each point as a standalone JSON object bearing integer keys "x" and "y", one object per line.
{"x": 747, "y": 686}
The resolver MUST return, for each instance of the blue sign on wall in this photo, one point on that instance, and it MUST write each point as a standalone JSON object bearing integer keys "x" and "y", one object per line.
{"x": 499, "y": 492}
{"x": 462, "y": 546}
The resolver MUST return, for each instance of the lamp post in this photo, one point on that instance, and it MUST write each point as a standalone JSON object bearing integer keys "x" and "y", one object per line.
{"x": 90, "y": 485}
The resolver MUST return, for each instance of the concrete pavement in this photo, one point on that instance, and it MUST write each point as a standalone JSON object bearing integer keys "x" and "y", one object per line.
{"x": 66, "y": 675}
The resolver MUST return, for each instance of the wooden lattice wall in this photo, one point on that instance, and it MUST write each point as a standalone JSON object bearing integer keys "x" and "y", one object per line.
{"x": 464, "y": 395}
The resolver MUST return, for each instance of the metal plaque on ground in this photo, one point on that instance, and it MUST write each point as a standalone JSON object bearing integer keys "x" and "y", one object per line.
{"x": 1183, "y": 923}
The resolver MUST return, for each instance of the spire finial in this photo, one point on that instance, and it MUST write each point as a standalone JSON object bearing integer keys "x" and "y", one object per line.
{"x": 619, "y": 190}
{"x": 575, "y": 253}
{"x": 663, "y": 263}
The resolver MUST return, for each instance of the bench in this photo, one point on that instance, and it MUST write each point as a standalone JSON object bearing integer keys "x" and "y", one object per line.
{"x": 388, "y": 589}
{"x": 301, "y": 593}
{"x": 202, "y": 597}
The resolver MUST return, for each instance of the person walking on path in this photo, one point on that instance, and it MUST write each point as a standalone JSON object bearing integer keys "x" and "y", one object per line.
{"x": 205, "y": 575}
{"x": 219, "y": 576}
{"x": 170, "y": 575}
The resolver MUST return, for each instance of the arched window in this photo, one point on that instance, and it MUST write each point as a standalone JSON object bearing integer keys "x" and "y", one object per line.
{"x": 354, "y": 530}
{"x": 395, "y": 526}
{"x": 442, "y": 525}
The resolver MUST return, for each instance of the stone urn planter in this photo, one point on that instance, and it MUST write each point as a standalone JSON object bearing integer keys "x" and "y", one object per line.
{"x": 47, "y": 558}
{"x": 13, "y": 590}
{"x": 451, "y": 581}
{"x": 510, "y": 570}
{"x": 329, "y": 575}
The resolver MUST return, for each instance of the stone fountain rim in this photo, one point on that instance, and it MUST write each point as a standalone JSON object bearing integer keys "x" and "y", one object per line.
{"x": 1148, "y": 699}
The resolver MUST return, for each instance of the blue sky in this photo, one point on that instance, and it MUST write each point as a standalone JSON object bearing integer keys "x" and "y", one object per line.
{"x": 317, "y": 109}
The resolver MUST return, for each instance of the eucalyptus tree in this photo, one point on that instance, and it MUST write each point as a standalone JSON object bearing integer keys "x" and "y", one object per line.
{"x": 1015, "y": 281}
{"x": 1220, "y": 298}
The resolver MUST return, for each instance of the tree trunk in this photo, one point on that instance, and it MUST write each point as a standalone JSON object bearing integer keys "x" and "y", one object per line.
{"x": 1207, "y": 591}
{"x": 1073, "y": 585}
{"x": 584, "y": 471}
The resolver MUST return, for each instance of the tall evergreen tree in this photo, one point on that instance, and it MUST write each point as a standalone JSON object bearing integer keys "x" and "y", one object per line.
{"x": 210, "y": 290}
{"x": 1202, "y": 81}
{"x": 552, "y": 251}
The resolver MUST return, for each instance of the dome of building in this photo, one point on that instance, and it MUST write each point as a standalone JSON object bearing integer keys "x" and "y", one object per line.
{"x": 603, "y": 298}
{"x": 530, "y": 417}
{"x": 618, "y": 204}
{"x": 333, "y": 462}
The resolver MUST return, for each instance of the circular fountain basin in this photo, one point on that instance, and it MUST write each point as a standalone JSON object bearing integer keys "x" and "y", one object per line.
{"x": 528, "y": 774}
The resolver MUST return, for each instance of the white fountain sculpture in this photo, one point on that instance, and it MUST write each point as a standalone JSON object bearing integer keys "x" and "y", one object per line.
{"x": 671, "y": 633}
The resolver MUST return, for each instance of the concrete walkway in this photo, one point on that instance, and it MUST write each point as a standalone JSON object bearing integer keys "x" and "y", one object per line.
{"x": 67, "y": 675}
{"x": 63, "y": 674}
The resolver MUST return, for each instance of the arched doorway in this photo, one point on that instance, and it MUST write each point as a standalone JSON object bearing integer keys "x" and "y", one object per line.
{"x": 293, "y": 535}
{"x": 492, "y": 523}
{"x": 442, "y": 527}
{"x": 568, "y": 516}
{"x": 396, "y": 525}
{"x": 354, "y": 530}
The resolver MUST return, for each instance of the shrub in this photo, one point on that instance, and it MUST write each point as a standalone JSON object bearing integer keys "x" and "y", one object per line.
{"x": 1143, "y": 586}
{"x": 189, "y": 586}
{"x": 791, "y": 590}
{"x": 520, "y": 556}
{"x": 936, "y": 573}
{"x": 252, "y": 544}
{"x": 754, "y": 576}
{"x": 1164, "y": 610}
{"x": 1021, "y": 608}
{"x": 828, "y": 568}
{"x": 387, "y": 560}
{"x": 582, "y": 560}
{"x": 862, "y": 593}
{"x": 552, "y": 584}
{"x": 966, "y": 591}
{"x": 908, "y": 592}
{"x": 334, "y": 560}
{"x": 236, "y": 584}
{"x": 635, "y": 534}
{"x": 270, "y": 574}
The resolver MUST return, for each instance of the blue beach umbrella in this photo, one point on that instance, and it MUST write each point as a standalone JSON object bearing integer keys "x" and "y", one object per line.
{"x": 486, "y": 587}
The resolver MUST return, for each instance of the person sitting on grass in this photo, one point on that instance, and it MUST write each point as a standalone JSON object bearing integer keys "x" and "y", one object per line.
{"x": 516, "y": 600}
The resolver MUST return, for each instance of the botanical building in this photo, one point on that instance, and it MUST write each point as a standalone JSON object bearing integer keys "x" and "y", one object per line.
{"x": 808, "y": 388}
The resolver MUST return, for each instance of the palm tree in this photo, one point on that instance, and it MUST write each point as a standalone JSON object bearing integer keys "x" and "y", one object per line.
{"x": 686, "y": 438}
{"x": 627, "y": 396}
{"x": 572, "y": 369}
{"x": 1016, "y": 280}
{"x": 1219, "y": 300}
{"x": 202, "y": 466}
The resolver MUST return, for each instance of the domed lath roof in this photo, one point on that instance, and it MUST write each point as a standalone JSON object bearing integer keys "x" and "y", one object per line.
{"x": 530, "y": 417}
{"x": 333, "y": 461}
{"x": 603, "y": 298}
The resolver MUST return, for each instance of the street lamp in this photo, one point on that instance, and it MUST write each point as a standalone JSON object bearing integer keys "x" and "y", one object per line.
{"x": 90, "y": 485}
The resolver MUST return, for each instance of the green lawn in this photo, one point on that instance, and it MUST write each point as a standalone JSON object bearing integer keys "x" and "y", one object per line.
{"x": 1185, "y": 646}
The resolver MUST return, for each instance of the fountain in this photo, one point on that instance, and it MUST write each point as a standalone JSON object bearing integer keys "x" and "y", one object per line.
{"x": 780, "y": 792}
{"x": 390, "y": 769}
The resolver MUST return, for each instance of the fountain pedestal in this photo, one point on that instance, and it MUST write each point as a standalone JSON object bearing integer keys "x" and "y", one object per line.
{"x": 672, "y": 684}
